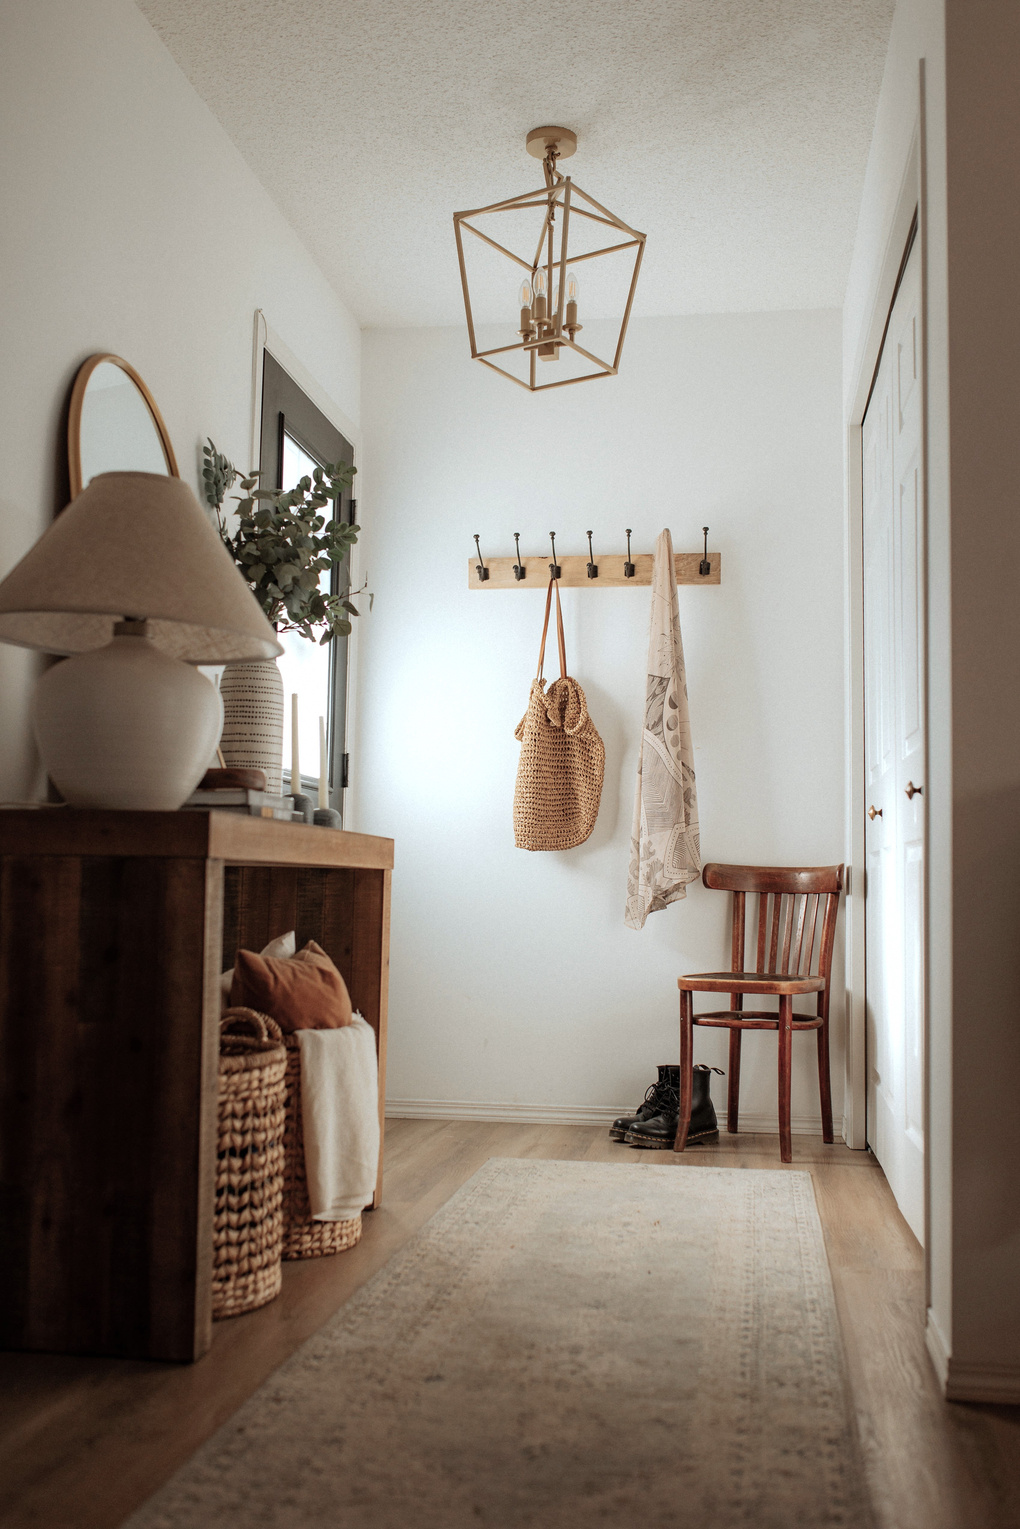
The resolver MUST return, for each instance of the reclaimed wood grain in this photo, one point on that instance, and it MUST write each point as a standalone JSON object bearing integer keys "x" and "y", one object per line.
{"x": 230, "y": 836}
{"x": 107, "y": 1041}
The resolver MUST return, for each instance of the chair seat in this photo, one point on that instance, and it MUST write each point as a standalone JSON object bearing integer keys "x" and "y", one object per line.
{"x": 750, "y": 982}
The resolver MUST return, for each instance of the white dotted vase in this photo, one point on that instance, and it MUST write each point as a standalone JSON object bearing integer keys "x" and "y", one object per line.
{"x": 252, "y": 692}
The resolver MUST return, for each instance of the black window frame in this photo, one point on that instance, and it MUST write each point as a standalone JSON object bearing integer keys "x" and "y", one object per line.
{"x": 288, "y": 410}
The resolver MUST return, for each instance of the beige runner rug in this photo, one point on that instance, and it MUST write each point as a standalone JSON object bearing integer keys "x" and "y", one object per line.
{"x": 564, "y": 1343}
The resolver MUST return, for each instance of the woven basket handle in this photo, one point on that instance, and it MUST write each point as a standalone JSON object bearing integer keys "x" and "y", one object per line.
{"x": 264, "y": 1033}
{"x": 559, "y": 629}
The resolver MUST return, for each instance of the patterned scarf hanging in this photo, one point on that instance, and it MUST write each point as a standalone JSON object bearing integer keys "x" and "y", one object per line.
{"x": 665, "y": 852}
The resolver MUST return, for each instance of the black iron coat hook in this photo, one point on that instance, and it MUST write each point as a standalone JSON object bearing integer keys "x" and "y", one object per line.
{"x": 628, "y": 568}
{"x": 554, "y": 568}
{"x": 480, "y": 568}
{"x": 593, "y": 567}
{"x": 705, "y": 567}
{"x": 520, "y": 572}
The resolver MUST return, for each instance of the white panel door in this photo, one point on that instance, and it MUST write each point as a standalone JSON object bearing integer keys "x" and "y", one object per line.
{"x": 895, "y": 753}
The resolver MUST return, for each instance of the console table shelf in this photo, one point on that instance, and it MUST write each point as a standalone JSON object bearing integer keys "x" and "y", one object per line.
{"x": 114, "y": 928}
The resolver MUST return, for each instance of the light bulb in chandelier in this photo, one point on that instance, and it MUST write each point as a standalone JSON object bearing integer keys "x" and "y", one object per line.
{"x": 573, "y": 290}
{"x": 539, "y": 287}
{"x": 525, "y": 301}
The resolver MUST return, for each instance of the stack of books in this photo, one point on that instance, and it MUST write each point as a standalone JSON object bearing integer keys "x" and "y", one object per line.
{"x": 256, "y": 804}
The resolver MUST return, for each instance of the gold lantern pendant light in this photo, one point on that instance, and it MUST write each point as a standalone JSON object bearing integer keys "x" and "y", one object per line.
{"x": 549, "y": 294}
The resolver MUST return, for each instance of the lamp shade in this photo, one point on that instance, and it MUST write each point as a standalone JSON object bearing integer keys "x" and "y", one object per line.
{"x": 134, "y": 544}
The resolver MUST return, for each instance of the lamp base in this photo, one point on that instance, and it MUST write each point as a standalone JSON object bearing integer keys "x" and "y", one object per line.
{"x": 125, "y": 726}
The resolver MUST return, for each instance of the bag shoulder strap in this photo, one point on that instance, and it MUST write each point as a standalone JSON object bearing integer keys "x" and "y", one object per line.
{"x": 559, "y": 631}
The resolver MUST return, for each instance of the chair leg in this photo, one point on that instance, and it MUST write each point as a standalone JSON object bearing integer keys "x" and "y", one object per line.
{"x": 824, "y": 1082}
{"x": 686, "y": 1069}
{"x": 733, "y": 1082}
{"x": 785, "y": 1059}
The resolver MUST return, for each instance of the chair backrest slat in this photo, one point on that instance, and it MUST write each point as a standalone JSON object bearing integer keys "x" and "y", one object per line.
{"x": 800, "y": 936}
{"x": 763, "y": 919}
{"x": 737, "y": 950}
{"x": 811, "y": 933}
{"x": 791, "y": 904}
{"x": 777, "y": 904}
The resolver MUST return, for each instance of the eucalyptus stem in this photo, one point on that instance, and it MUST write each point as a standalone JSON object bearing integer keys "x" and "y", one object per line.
{"x": 284, "y": 543}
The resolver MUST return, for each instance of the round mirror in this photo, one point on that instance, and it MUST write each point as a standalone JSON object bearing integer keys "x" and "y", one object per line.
{"x": 114, "y": 424}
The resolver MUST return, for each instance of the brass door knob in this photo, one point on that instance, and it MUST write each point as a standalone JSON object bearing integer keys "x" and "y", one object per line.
{"x": 874, "y": 812}
{"x": 912, "y": 790}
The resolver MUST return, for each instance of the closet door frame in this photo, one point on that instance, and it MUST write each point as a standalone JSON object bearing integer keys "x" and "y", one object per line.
{"x": 910, "y": 205}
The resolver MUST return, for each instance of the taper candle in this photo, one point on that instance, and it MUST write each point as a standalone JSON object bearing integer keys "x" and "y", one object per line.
{"x": 295, "y": 756}
{"x": 323, "y": 772}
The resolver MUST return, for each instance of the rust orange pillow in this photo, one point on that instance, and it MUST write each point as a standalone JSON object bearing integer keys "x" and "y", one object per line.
{"x": 301, "y": 992}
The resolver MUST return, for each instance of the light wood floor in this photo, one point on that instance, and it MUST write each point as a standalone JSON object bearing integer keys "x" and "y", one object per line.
{"x": 84, "y": 1441}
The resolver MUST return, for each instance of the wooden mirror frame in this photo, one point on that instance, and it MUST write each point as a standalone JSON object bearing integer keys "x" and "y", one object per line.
{"x": 74, "y": 418}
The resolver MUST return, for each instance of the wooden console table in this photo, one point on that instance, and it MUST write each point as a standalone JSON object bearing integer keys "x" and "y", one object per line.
{"x": 114, "y": 928}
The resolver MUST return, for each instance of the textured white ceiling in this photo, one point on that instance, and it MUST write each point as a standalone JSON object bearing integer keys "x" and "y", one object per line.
{"x": 733, "y": 132}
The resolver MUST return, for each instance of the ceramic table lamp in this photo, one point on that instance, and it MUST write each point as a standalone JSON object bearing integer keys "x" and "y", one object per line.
{"x": 134, "y": 582}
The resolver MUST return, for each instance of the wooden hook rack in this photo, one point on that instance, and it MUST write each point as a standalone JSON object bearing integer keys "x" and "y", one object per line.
{"x": 576, "y": 572}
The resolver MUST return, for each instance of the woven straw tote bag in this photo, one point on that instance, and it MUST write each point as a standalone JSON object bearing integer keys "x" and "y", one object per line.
{"x": 563, "y": 759}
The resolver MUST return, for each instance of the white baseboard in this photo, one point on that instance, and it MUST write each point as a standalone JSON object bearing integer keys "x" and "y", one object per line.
{"x": 938, "y": 1348}
{"x": 963, "y": 1382}
{"x": 567, "y": 1114}
{"x": 524, "y": 1114}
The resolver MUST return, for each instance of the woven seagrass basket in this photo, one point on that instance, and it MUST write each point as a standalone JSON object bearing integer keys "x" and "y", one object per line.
{"x": 303, "y": 1237}
{"x": 248, "y": 1224}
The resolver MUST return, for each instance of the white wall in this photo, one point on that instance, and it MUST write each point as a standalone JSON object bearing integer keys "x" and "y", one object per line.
{"x": 130, "y": 223}
{"x": 513, "y": 978}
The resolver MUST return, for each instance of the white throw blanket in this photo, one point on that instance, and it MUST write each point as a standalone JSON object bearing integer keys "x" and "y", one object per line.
{"x": 665, "y": 851}
{"x": 340, "y": 1116}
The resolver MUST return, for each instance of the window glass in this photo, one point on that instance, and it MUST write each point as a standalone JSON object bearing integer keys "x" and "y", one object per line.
{"x": 304, "y": 665}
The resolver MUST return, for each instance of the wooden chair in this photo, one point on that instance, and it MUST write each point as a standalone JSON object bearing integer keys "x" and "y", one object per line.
{"x": 783, "y": 968}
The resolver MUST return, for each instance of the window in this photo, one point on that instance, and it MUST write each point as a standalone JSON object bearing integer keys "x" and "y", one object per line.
{"x": 296, "y": 438}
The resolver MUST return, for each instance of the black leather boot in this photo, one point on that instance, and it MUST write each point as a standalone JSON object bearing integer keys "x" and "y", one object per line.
{"x": 660, "y": 1129}
{"x": 669, "y": 1078}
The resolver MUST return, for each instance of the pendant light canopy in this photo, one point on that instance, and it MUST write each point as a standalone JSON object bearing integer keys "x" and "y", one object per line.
{"x": 547, "y": 244}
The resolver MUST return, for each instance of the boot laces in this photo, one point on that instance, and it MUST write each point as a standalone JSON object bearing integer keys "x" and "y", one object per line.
{"x": 668, "y": 1099}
